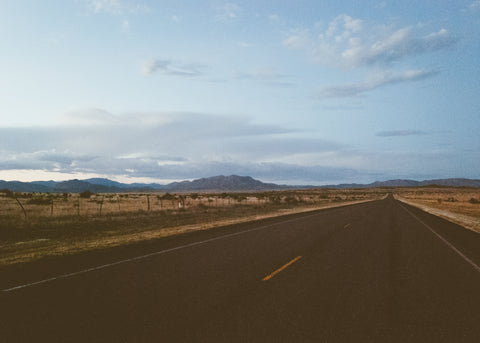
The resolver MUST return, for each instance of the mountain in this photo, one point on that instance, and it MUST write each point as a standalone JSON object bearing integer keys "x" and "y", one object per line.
{"x": 222, "y": 183}
{"x": 17, "y": 186}
{"x": 135, "y": 186}
{"x": 77, "y": 186}
{"x": 412, "y": 183}
{"x": 216, "y": 183}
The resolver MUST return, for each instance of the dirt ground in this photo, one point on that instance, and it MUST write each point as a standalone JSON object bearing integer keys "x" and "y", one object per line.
{"x": 459, "y": 205}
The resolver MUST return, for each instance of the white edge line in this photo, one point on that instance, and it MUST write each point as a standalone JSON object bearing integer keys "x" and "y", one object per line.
{"x": 450, "y": 245}
{"x": 64, "y": 276}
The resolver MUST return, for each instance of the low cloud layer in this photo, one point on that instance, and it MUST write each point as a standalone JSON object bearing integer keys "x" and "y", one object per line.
{"x": 184, "y": 145}
{"x": 173, "y": 145}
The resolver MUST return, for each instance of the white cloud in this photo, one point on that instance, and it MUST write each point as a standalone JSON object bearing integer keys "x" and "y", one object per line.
{"x": 350, "y": 43}
{"x": 125, "y": 25}
{"x": 105, "y": 6}
{"x": 227, "y": 12}
{"x": 374, "y": 81}
{"x": 173, "y": 68}
{"x": 115, "y": 7}
{"x": 266, "y": 75}
{"x": 298, "y": 39}
{"x": 273, "y": 17}
{"x": 473, "y": 7}
{"x": 245, "y": 44}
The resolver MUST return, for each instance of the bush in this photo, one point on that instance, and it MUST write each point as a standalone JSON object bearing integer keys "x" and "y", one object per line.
{"x": 8, "y": 193}
{"x": 474, "y": 201}
{"x": 86, "y": 194}
{"x": 40, "y": 201}
{"x": 166, "y": 196}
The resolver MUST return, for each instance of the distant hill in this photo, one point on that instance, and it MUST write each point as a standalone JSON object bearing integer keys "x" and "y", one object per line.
{"x": 220, "y": 183}
{"x": 412, "y": 183}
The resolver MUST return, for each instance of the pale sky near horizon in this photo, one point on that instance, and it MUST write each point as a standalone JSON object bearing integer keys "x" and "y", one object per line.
{"x": 297, "y": 92}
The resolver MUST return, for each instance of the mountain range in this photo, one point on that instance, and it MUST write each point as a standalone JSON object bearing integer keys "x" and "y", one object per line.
{"x": 215, "y": 183}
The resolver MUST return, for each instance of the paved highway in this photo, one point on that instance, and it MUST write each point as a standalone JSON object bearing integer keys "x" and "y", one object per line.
{"x": 380, "y": 271}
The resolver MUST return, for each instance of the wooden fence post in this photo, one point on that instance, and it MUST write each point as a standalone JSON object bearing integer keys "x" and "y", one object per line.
{"x": 101, "y": 205}
{"x": 23, "y": 209}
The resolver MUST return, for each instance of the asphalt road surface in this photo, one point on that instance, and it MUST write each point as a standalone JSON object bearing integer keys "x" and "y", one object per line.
{"x": 380, "y": 271}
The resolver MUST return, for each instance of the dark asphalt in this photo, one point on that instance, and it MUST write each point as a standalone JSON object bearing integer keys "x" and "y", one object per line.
{"x": 370, "y": 272}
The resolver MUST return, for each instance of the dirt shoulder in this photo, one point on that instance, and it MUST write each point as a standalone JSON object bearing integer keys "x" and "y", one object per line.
{"x": 453, "y": 213}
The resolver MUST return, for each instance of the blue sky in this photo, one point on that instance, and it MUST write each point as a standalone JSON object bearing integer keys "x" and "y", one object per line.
{"x": 285, "y": 91}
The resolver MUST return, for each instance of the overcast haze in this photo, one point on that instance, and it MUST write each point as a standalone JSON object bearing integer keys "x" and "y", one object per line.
{"x": 297, "y": 92}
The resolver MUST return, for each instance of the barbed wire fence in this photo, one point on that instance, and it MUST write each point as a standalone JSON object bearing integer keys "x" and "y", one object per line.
{"x": 29, "y": 206}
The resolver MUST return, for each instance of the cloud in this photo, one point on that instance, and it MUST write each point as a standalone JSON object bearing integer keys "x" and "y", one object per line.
{"x": 174, "y": 145}
{"x": 473, "y": 6}
{"x": 172, "y": 68}
{"x": 374, "y": 81}
{"x": 125, "y": 25}
{"x": 116, "y": 7}
{"x": 267, "y": 75}
{"x": 227, "y": 12}
{"x": 349, "y": 43}
{"x": 273, "y": 17}
{"x": 400, "y": 133}
{"x": 245, "y": 44}
{"x": 185, "y": 145}
{"x": 105, "y": 6}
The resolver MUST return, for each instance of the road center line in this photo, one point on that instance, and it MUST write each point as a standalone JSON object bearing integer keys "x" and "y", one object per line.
{"x": 450, "y": 245}
{"x": 161, "y": 252}
{"x": 266, "y": 278}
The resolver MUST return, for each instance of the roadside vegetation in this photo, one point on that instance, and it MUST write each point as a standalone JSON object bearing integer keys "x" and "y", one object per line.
{"x": 458, "y": 204}
{"x": 36, "y": 225}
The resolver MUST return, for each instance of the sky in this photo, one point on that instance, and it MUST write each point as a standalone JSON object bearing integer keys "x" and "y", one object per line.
{"x": 294, "y": 92}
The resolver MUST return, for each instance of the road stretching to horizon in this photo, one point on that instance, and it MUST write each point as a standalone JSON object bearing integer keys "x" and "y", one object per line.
{"x": 380, "y": 271}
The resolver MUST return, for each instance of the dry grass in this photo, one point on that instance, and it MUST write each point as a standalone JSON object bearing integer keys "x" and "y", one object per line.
{"x": 118, "y": 219}
{"x": 459, "y": 205}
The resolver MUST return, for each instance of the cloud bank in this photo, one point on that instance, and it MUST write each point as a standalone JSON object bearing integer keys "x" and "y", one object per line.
{"x": 185, "y": 145}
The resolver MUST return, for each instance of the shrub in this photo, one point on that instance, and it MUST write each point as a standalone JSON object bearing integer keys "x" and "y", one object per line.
{"x": 86, "y": 194}
{"x": 167, "y": 196}
{"x": 8, "y": 193}
{"x": 474, "y": 201}
{"x": 40, "y": 201}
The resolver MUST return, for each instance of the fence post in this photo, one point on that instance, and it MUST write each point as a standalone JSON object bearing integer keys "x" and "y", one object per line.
{"x": 148, "y": 202}
{"x": 23, "y": 209}
{"x": 101, "y": 205}
{"x": 51, "y": 209}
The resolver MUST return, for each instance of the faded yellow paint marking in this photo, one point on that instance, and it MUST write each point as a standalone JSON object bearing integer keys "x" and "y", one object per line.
{"x": 266, "y": 278}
